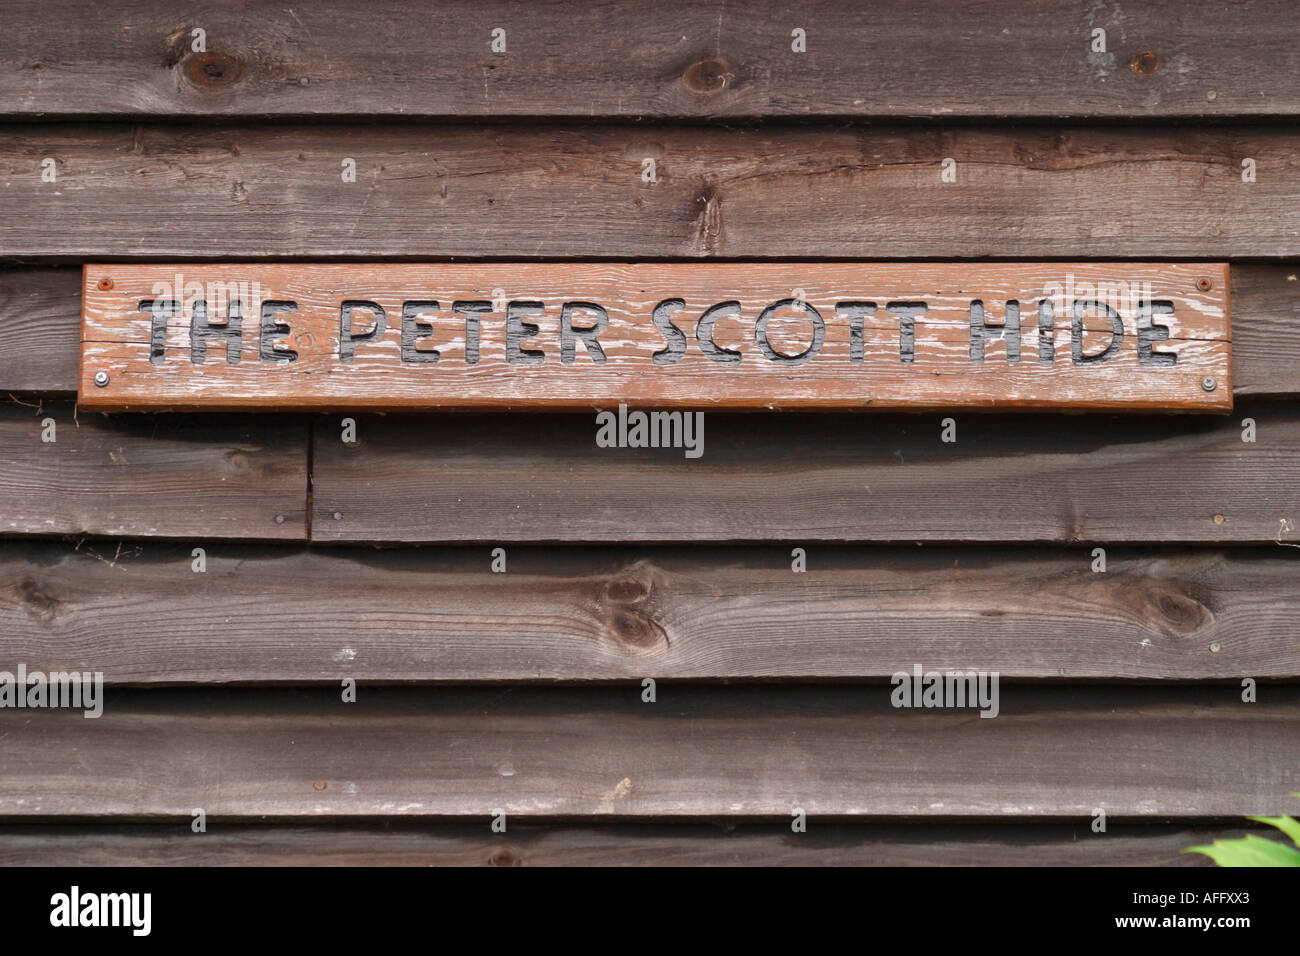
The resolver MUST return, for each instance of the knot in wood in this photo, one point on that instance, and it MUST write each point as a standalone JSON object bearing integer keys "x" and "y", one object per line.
{"x": 1176, "y": 611}
{"x": 36, "y": 601}
{"x": 709, "y": 76}
{"x": 637, "y": 632}
{"x": 626, "y": 591}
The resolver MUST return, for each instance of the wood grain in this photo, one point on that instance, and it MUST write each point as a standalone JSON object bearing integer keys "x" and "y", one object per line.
{"x": 387, "y": 336}
{"x": 40, "y": 319}
{"x": 808, "y": 478}
{"x": 262, "y": 614}
{"x": 670, "y": 59}
{"x": 409, "y": 843}
{"x": 1265, "y": 307}
{"x": 143, "y": 477}
{"x": 1139, "y": 753}
{"x": 165, "y": 192}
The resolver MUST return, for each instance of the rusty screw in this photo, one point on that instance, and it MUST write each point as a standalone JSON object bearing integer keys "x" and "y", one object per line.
{"x": 1146, "y": 63}
{"x": 1204, "y": 284}
{"x": 104, "y": 285}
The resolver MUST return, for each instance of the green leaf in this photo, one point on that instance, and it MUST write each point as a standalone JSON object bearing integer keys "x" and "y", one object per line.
{"x": 1250, "y": 850}
{"x": 1288, "y": 825}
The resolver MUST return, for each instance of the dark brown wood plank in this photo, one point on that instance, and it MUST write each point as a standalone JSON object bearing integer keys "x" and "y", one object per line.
{"x": 40, "y": 317}
{"x": 1265, "y": 346}
{"x": 871, "y": 192}
{"x": 406, "y": 843}
{"x": 147, "y": 476}
{"x": 584, "y": 614}
{"x": 673, "y": 58}
{"x": 1265, "y": 310}
{"x": 754, "y": 751}
{"x": 806, "y": 478}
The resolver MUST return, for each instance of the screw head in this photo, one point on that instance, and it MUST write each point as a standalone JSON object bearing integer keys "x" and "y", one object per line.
{"x": 1146, "y": 63}
{"x": 1204, "y": 284}
{"x": 103, "y": 285}
{"x": 279, "y": 519}
{"x": 101, "y": 379}
{"x": 1209, "y": 384}
{"x": 338, "y": 516}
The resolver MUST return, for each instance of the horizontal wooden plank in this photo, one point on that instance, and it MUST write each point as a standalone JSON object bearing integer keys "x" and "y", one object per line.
{"x": 675, "y": 58}
{"x": 264, "y": 614}
{"x": 832, "y": 335}
{"x": 168, "y": 476}
{"x": 1265, "y": 307}
{"x": 753, "y": 751}
{"x": 163, "y": 192}
{"x": 461, "y": 844}
{"x": 40, "y": 320}
{"x": 1266, "y": 313}
{"x": 804, "y": 478}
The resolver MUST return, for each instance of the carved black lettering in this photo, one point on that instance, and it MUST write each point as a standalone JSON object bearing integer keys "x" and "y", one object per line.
{"x": 161, "y": 310}
{"x": 1150, "y": 331}
{"x": 906, "y": 312}
{"x": 227, "y": 330}
{"x": 857, "y": 313}
{"x": 674, "y": 338}
{"x": 411, "y": 325}
{"x": 471, "y": 309}
{"x": 1008, "y": 329}
{"x": 273, "y": 331}
{"x": 347, "y": 338}
{"x": 1046, "y": 332}
{"x": 517, "y": 330}
{"x": 1076, "y": 331}
{"x": 704, "y": 332}
{"x": 569, "y": 335}
{"x": 813, "y": 316}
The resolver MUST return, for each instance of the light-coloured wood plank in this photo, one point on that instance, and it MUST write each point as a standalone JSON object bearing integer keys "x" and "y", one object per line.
{"x": 692, "y": 335}
{"x": 1265, "y": 306}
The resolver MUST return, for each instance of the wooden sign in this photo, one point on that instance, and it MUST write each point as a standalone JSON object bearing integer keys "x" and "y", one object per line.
{"x": 697, "y": 335}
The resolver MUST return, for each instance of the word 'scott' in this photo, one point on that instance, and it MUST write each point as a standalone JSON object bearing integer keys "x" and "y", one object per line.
{"x": 700, "y": 335}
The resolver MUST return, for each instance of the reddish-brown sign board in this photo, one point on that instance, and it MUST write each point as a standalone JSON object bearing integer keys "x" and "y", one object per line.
{"x": 837, "y": 335}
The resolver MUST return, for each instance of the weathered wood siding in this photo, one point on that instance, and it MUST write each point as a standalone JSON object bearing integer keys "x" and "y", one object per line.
{"x": 480, "y": 691}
